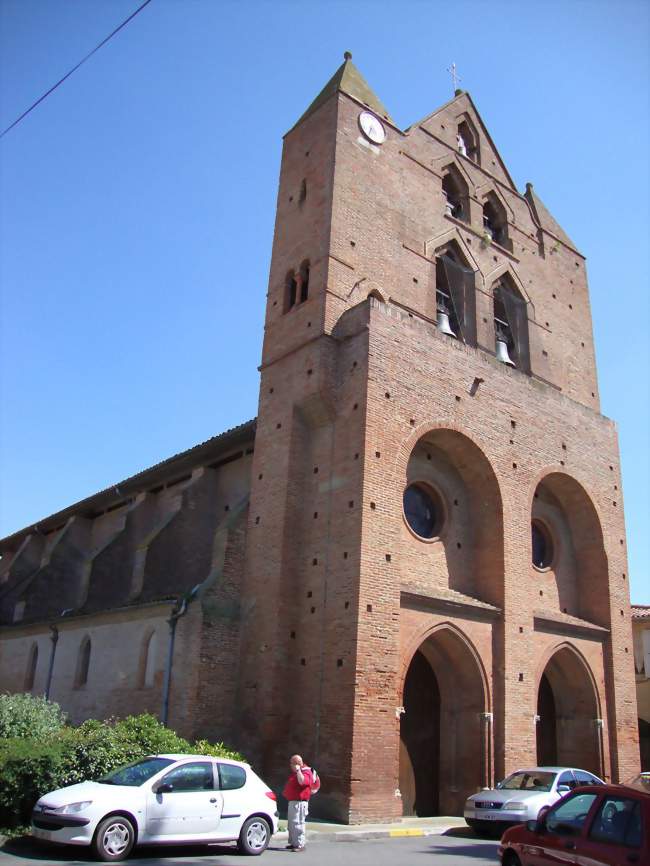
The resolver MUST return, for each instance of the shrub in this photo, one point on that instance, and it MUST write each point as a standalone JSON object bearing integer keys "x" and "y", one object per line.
{"x": 29, "y": 716}
{"x": 30, "y": 768}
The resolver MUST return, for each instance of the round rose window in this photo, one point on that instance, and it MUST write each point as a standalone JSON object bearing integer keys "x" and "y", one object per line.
{"x": 423, "y": 510}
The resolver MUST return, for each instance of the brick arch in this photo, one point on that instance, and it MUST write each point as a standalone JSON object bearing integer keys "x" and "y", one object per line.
{"x": 569, "y": 715}
{"x": 472, "y": 554}
{"x": 428, "y": 631}
{"x": 588, "y": 569}
{"x": 444, "y": 744}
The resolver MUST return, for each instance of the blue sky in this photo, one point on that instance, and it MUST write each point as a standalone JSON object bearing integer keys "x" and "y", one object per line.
{"x": 137, "y": 205}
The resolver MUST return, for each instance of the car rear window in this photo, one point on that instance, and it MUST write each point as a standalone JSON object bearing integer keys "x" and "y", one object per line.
{"x": 231, "y": 776}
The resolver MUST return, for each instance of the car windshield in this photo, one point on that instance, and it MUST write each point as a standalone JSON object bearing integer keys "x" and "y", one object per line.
{"x": 528, "y": 780}
{"x": 137, "y": 773}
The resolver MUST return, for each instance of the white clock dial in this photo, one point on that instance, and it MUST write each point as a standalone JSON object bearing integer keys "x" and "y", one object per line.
{"x": 372, "y": 127}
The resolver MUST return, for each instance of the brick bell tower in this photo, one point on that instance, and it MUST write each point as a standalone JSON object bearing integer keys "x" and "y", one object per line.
{"x": 434, "y": 587}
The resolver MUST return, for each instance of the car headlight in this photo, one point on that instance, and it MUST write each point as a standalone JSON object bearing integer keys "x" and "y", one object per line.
{"x": 515, "y": 806}
{"x": 71, "y": 808}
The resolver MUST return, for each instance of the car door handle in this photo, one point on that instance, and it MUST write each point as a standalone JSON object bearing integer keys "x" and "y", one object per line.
{"x": 213, "y": 799}
{"x": 569, "y": 844}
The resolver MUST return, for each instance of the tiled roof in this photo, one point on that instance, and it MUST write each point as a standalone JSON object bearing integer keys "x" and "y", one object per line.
{"x": 182, "y": 462}
{"x": 641, "y": 611}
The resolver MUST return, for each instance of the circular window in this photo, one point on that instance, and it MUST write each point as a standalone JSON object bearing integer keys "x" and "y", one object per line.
{"x": 542, "y": 545}
{"x": 423, "y": 510}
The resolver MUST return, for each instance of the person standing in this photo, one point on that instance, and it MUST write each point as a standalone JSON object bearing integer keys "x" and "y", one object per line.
{"x": 297, "y": 791}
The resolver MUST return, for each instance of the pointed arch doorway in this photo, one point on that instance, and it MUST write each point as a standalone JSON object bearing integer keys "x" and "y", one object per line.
{"x": 444, "y": 729}
{"x": 568, "y": 714}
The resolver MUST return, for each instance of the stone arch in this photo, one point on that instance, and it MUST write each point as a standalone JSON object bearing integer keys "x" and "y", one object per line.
{"x": 453, "y": 235}
{"x": 467, "y": 554}
{"x": 568, "y": 716}
{"x": 580, "y": 566}
{"x": 444, "y": 748}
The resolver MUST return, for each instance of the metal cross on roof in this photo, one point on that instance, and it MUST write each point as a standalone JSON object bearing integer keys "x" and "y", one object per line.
{"x": 455, "y": 77}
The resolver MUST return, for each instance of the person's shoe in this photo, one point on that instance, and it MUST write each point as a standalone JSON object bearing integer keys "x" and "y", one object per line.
{"x": 289, "y": 847}
{"x": 298, "y": 850}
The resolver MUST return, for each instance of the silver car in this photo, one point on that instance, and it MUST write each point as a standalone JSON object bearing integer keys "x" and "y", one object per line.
{"x": 520, "y": 797}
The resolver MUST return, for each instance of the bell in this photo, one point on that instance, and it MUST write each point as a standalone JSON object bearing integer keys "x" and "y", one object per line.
{"x": 502, "y": 353}
{"x": 443, "y": 323}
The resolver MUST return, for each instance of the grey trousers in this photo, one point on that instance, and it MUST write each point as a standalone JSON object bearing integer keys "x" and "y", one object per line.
{"x": 296, "y": 817}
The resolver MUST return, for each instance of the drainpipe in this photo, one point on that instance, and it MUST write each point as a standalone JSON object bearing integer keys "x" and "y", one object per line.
{"x": 179, "y": 610}
{"x": 54, "y": 637}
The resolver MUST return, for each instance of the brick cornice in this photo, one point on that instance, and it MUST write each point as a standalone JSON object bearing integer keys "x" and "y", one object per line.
{"x": 448, "y": 602}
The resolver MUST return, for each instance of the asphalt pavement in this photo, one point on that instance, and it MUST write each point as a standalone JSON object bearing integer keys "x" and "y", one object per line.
{"x": 456, "y": 847}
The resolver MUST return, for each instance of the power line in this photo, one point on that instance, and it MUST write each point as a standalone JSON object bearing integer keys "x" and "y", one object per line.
{"x": 74, "y": 68}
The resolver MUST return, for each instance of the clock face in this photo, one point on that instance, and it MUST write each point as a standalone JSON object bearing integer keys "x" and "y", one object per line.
{"x": 372, "y": 127}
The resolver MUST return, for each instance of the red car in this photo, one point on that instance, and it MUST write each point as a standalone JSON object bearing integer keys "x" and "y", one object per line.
{"x": 604, "y": 825}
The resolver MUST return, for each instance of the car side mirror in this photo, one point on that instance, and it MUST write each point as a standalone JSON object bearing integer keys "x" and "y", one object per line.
{"x": 563, "y": 789}
{"x": 537, "y": 827}
{"x": 163, "y": 788}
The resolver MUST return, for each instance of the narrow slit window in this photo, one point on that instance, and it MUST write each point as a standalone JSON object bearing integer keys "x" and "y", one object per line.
{"x": 32, "y": 664}
{"x": 291, "y": 291}
{"x": 83, "y": 663}
{"x": 304, "y": 281}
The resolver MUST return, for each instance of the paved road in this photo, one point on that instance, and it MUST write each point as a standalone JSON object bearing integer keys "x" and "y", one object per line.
{"x": 455, "y": 849}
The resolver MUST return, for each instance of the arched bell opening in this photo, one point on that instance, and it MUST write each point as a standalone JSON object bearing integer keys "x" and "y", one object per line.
{"x": 444, "y": 741}
{"x": 568, "y": 715}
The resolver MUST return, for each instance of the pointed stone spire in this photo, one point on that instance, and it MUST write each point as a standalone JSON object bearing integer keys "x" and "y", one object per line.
{"x": 348, "y": 79}
{"x": 544, "y": 217}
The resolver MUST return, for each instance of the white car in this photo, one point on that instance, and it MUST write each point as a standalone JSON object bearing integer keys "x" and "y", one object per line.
{"x": 161, "y": 799}
{"x": 520, "y": 797}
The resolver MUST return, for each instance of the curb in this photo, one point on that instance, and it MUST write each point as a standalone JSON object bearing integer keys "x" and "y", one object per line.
{"x": 367, "y": 835}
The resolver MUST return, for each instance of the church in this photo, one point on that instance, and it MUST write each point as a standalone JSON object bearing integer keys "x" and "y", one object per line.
{"x": 411, "y": 566}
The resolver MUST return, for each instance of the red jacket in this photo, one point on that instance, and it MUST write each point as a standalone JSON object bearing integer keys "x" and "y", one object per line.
{"x": 293, "y": 790}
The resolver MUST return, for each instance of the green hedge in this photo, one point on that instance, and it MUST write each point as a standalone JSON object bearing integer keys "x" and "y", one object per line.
{"x": 29, "y": 716}
{"x": 30, "y": 767}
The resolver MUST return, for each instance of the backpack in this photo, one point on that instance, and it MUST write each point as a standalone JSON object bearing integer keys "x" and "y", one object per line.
{"x": 315, "y": 782}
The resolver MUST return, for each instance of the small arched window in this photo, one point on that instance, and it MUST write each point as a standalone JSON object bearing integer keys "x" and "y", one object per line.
{"x": 149, "y": 654}
{"x": 304, "y": 281}
{"x": 290, "y": 291}
{"x": 510, "y": 324}
{"x": 32, "y": 663}
{"x": 495, "y": 221}
{"x": 455, "y": 295}
{"x": 83, "y": 663}
{"x": 456, "y": 193}
{"x": 468, "y": 141}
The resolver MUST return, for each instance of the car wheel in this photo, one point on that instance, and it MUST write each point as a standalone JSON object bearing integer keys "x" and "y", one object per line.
{"x": 511, "y": 859}
{"x": 114, "y": 838}
{"x": 255, "y": 836}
